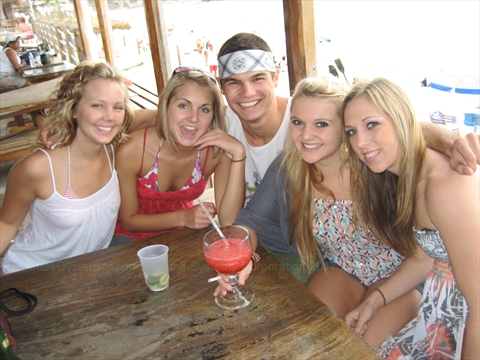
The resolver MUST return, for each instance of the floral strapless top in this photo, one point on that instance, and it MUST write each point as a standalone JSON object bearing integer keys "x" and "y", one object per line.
{"x": 355, "y": 251}
{"x": 432, "y": 243}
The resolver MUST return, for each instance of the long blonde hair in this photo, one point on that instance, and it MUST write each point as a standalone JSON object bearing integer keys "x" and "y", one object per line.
{"x": 178, "y": 80}
{"x": 385, "y": 202}
{"x": 71, "y": 90}
{"x": 302, "y": 178}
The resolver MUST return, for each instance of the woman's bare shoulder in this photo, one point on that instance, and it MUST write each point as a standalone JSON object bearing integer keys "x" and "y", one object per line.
{"x": 139, "y": 140}
{"x": 34, "y": 166}
{"x": 136, "y": 139}
{"x": 443, "y": 183}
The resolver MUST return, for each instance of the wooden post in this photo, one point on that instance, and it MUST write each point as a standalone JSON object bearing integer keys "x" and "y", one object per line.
{"x": 85, "y": 29}
{"x": 300, "y": 40}
{"x": 105, "y": 30}
{"x": 158, "y": 42}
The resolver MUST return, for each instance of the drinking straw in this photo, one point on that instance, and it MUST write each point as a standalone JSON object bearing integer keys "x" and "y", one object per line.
{"x": 212, "y": 221}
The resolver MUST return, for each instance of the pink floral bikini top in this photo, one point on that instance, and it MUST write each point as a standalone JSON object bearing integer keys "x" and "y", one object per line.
{"x": 153, "y": 201}
{"x": 149, "y": 180}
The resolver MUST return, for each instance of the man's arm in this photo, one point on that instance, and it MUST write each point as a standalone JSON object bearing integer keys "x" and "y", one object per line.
{"x": 438, "y": 138}
{"x": 463, "y": 151}
{"x": 144, "y": 118}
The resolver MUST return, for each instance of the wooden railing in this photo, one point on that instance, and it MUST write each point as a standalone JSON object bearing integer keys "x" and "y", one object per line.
{"x": 141, "y": 97}
{"x": 61, "y": 40}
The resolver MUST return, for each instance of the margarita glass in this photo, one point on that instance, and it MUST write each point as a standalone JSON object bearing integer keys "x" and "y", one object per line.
{"x": 229, "y": 256}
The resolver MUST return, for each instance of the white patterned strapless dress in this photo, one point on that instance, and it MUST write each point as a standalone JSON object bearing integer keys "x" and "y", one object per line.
{"x": 439, "y": 325}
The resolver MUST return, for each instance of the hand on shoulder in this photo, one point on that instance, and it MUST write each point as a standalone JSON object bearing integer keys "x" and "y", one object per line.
{"x": 466, "y": 154}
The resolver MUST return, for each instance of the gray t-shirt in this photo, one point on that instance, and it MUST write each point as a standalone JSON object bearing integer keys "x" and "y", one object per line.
{"x": 266, "y": 212}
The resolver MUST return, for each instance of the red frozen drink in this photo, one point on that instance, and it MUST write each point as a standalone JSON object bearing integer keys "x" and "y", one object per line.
{"x": 229, "y": 259}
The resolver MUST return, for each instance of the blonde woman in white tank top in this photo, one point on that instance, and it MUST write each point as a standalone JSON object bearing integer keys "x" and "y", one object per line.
{"x": 73, "y": 184}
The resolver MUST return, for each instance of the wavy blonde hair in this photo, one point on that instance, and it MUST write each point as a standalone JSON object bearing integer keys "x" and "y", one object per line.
{"x": 302, "y": 178}
{"x": 70, "y": 91}
{"x": 385, "y": 201}
{"x": 178, "y": 80}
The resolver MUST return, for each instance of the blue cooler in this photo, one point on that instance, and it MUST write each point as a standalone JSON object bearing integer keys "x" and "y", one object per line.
{"x": 472, "y": 120}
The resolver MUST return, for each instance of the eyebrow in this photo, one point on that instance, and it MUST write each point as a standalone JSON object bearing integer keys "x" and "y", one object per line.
{"x": 293, "y": 116}
{"x": 103, "y": 101}
{"x": 186, "y": 100}
{"x": 372, "y": 117}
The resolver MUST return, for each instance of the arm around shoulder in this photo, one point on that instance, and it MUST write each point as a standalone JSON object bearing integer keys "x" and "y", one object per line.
{"x": 144, "y": 118}
{"x": 463, "y": 151}
{"x": 437, "y": 138}
{"x": 466, "y": 154}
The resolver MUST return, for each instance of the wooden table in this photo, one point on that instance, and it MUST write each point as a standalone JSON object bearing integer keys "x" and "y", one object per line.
{"x": 17, "y": 103}
{"x": 26, "y": 100}
{"x": 97, "y": 306}
{"x": 46, "y": 72}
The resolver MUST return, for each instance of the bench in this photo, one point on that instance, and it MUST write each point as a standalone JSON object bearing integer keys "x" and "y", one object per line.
{"x": 4, "y": 89}
{"x": 19, "y": 145}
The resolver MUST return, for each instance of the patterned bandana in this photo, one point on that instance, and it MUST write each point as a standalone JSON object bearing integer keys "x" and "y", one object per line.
{"x": 244, "y": 61}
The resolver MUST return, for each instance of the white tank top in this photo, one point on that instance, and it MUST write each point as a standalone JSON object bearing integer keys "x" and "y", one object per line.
{"x": 259, "y": 158}
{"x": 6, "y": 65}
{"x": 61, "y": 228}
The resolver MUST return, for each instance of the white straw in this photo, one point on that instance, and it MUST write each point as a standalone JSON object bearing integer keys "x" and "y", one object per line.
{"x": 216, "y": 278}
{"x": 211, "y": 220}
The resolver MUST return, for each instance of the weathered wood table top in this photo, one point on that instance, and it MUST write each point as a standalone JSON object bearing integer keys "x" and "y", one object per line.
{"x": 97, "y": 306}
{"x": 26, "y": 99}
{"x": 47, "y": 72}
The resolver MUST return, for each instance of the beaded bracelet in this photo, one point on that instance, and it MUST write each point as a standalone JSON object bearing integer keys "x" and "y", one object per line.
{"x": 240, "y": 159}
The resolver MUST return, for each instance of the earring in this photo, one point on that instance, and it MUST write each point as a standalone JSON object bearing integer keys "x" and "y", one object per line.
{"x": 344, "y": 152}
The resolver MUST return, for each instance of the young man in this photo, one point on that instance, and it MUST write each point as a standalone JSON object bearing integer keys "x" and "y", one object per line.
{"x": 257, "y": 117}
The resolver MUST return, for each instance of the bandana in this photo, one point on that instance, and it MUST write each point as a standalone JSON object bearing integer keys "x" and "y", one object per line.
{"x": 244, "y": 61}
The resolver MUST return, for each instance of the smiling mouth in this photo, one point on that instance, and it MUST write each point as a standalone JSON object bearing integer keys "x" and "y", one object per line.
{"x": 312, "y": 146}
{"x": 371, "y": 154}
{"x": 249, "y": 104}
{"x": 104, "y": 128}
{"x": 189, "y": 130}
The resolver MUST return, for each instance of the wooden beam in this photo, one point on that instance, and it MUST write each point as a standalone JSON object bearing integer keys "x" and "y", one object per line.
{"x": 157, "y": 34}
{"x": 105, "y": 30}
{"x": 85, "y": 28}
{"x": 300, "y": 40}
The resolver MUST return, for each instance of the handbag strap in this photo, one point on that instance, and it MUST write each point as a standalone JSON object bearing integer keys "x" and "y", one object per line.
{"x": 31, "y": 301}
